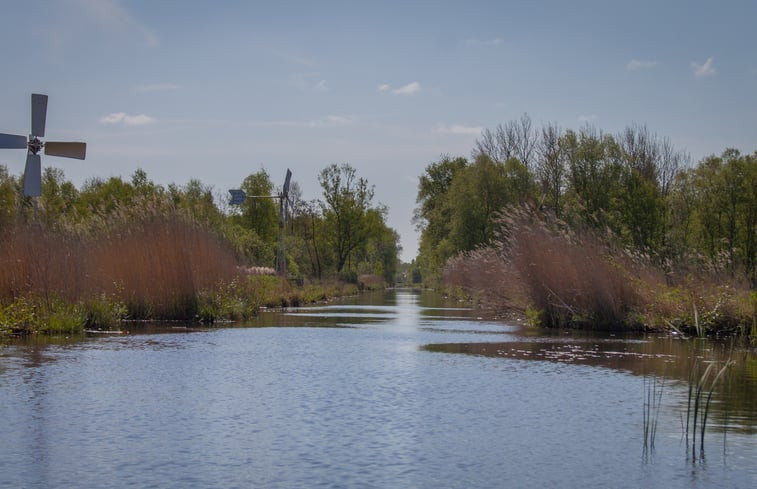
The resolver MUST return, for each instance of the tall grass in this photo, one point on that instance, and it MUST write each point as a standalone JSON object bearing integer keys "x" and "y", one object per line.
{"x": 159, "y": 267}
{"x": 156, "y": 267}
{"x": 651, "y": 411}
{"x": 701, "y": 388}
{"x": 538, "y": 263}
{"x": 560, "y": 275}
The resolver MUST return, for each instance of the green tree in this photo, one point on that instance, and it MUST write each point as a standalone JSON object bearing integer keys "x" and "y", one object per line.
{"x": 433, "y": 216}
{"x": 260, "y": 211}
{"x": 347, "y": 200}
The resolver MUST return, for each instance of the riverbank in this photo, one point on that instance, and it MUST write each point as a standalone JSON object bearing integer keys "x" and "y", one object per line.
{"x": 236, "y": 300}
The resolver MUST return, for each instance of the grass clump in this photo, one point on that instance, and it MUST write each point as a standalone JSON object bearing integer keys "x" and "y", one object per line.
{"x": 38, "y": 315}
{"x": 702, "y": 383}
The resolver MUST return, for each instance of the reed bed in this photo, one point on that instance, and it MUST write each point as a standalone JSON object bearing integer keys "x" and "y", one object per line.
{"x": 66, "y": 279}
{"x": 559, "y": 275}
{"x": 538, "y": 265}
{"x": 150, "y": 269}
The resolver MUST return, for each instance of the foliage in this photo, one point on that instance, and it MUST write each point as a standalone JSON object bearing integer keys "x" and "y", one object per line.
{"x": 118, "y": 248}
{"x": 634, "y": 186}
{"x": 353, "y": 229}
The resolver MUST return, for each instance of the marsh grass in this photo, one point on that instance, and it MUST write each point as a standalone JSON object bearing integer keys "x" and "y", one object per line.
{"x": 702, "y": 384}
{"x": 559, "y": 275}
{"x": 651, "y": 411}
{"x": 149, "y": 269}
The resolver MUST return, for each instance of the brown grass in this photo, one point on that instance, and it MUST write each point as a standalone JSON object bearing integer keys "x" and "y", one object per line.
{"x": 538, "y": 263}
{"x": 566, "y": 277}
{"x": 156, "y": 266}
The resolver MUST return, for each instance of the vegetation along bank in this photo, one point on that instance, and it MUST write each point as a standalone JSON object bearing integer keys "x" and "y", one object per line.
{"x": 90, "y": 257}
{"x": 582, "y": 228}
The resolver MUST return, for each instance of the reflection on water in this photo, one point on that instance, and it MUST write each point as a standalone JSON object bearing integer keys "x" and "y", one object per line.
{"x": 398, "y": 389}
{"x": 735, "y": 401}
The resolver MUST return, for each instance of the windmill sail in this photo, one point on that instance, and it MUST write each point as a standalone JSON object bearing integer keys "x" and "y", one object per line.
{"x": 33, "y": 176}
{"x": 66, "y": 150}
{"x": 39, "y": 114}
{"x": 11, "y": 141}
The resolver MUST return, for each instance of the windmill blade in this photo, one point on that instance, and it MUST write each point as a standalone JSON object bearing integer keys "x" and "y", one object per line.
{"x": 39, "y": 114}
{"x": 286, "y": 183}
{"x": 66, "y": 150}
{"x": 11, "y": 141}
{"x": 33, "y": 176}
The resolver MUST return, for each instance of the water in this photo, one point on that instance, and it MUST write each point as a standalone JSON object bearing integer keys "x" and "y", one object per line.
{"x": 396, "y": 390}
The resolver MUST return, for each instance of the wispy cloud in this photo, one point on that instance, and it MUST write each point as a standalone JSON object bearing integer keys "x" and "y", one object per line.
{"x": 588, "y": 118}
{"x": 110, "y": 14}
{"x": 156, "y": 87}
{"x": 326, "y": 121}
{"x": 122, "y": 118}
{"x": 484, "y": 42}
{"x": 640, "y": 64}
{"x": 409, "y": 89}
{"x": 459, "y": 129}
{"x": 705, "y": 69}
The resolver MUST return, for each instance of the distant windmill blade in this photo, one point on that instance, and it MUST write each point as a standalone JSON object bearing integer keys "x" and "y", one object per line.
{"x": 39, "y": 114}
{"x": 33, "y": 176}
{"x": 66, "y": 150}
{"x": 11, "y": 141}
{"x": 286, "y": 183}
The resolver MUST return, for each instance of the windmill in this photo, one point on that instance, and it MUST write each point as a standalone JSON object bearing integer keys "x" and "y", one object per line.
{"x": 281, "y": 259}
{"x": 33, "y": 170}
{"x": 238, "y": 197}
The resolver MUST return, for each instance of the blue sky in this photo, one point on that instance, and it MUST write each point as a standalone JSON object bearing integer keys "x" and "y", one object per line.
{"x": 217, "y": 90}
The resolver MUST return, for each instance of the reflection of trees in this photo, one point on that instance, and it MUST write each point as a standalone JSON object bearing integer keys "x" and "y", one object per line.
{"x": 734, "y": 397}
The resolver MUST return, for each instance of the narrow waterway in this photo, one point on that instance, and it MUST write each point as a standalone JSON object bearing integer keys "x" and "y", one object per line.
{"x": 397, "y": 389}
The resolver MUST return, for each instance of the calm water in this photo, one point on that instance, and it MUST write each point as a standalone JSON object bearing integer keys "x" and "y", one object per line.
{"x": 397, "y": 390}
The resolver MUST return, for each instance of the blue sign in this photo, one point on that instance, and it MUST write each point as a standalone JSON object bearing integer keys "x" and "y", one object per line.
{"x": 237, "y": 197}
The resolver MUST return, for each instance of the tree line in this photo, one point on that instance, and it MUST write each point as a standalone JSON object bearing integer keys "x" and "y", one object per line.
{"x": 634, "y": 185}
{"x": 342, "y": 235}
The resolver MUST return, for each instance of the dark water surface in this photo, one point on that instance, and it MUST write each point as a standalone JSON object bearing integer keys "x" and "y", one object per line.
{"x": 397, "y": 390}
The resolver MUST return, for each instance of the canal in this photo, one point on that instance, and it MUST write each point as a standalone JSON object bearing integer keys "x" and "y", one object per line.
{"x": 398, "y": 389}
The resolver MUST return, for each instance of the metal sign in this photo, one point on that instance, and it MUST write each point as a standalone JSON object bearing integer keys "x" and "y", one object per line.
{"x": 237, "y": 197}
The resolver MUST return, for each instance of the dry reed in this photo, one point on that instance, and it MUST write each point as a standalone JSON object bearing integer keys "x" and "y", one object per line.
{"x": 156, "y": 266}
{"x": 537, "y": 262}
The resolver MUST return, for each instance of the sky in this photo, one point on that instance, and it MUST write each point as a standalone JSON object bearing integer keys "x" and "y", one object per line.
{"x": 217, "y": 90}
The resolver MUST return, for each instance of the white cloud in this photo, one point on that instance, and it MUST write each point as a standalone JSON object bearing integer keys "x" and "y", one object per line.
{"x": 156, "y": 87}
{"x": 409, "y": 89}
{"x": 127, "y": 120}
{"x": 321, "y": 86}
{"x": 640, "y": 64}
{"x": 384, "y": 88}
{"x": 459, "y": 129}
{"x": 588, "y": 118}
{"x": 706, "y": 69}
{"x": 481, "y": 43}
{"x": 113, "y": 16}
